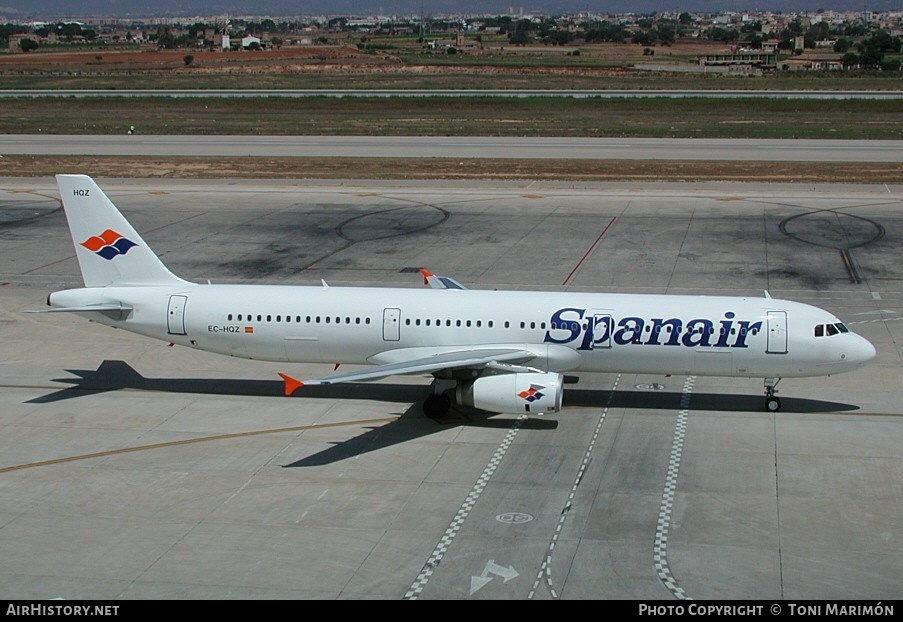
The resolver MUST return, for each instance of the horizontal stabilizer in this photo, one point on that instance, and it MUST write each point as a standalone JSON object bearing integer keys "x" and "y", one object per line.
{"x": 84, "y": 309}
{"x": 115, "y": 310}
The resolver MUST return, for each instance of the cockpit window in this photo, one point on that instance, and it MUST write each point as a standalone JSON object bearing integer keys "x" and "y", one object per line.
{"x": 822, "y": 330}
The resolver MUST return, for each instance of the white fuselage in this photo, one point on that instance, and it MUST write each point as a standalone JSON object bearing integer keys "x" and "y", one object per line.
{"x": 656, "y": 334}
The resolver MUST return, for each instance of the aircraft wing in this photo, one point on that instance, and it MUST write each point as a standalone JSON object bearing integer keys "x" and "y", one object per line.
{"x": 445, "y": 360}
{"x": 460, "y": 359}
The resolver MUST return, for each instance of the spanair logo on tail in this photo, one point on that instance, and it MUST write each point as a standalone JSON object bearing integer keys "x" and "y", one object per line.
{"x": 108, "y": 244}
{"x": 532, "y": 394}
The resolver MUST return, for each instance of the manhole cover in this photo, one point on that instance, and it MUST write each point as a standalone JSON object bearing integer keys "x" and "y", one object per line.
{"x": 653, "y": 386}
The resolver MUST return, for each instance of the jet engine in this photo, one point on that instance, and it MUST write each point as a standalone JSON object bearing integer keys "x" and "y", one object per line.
{"x": 514, "y": 393}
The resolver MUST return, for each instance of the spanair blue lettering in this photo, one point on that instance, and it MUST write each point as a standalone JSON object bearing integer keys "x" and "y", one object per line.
{"x": 726, "y": 327}
{"x": 572, "y": 325}
{"x": 630, "y": 329}
{"x": 566, "y": 325}
{"x": 658, "y": 325}
{"x": 745, "y": 329}
{"x": 698, "y": 333}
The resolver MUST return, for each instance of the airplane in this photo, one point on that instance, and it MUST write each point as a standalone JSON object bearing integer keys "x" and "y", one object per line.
{"x": 499, "y": 351}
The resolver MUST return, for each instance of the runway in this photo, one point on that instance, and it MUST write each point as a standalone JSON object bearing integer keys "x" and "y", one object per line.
{"x": 503, "y": 93}
{"x": 134, "y": 470}
{"x": 457, "y": 147}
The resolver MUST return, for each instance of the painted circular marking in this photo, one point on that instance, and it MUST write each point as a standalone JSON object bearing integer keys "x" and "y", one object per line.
{"x": 832, "y": 229}
{"x": 391, "y": 222}
{"x": 652, "y": 386}
{"x": 514, "y": 518}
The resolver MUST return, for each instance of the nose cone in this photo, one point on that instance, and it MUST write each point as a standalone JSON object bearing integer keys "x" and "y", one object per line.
{"x": 862, "y": 352}
{"x": 847, "y": 352}
{"x": 858, "y": 353}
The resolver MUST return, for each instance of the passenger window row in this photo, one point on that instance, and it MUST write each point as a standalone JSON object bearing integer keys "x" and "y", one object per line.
{"x": 467, "y": 323}
{"x": 297, "y": 319}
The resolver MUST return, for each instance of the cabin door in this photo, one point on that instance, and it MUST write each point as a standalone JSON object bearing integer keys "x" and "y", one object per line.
{"x": 777, "y": 332}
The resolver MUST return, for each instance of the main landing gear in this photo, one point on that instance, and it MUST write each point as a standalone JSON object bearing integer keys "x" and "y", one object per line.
{"x": 438, "y": 402}
{"x": 436, "y": 405}
{"x": 772, "y": 403}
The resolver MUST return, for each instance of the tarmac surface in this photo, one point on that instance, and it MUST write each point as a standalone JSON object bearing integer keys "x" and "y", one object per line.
{"x": 709, "y": 149}
{"x": 134, "y": 470}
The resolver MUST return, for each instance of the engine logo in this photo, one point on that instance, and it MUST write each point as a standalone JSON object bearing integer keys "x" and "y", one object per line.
{"x": 532, "y": 394}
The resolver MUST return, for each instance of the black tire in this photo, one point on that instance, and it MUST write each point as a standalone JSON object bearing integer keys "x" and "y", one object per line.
{"x": 436, "y": 405}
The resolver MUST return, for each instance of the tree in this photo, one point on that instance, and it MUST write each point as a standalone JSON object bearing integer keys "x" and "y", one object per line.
{"x": 68, "y": 30}
{"x": 882, "y": 40}
{"x": 27, "y": 45}
{"x": 820, "y": 31}
{"x": 519, "y": 37}
{"x": 165, "y": 39}
{"x": 646, "y": 38}
{"x": 666, "y": 34}
{"x": 754, "y": 41}
{"x": 337, "y": 23}
{"x": 605, "y": 31}
{"x": 188, "y": 59}
{"x": 850, "y": 59}
{"x": 842, "y": 45}
{"x": 727, "y": 35}
{"x": 558, "y": 37}
{"x": 871, "y": 58}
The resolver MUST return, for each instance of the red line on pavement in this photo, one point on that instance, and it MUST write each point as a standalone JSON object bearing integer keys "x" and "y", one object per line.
{"x": 590, "y": 250}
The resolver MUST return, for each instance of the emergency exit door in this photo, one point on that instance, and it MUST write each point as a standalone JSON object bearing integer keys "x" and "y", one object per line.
{"x": 391, "y": 324}
{"x": 175, "y": 317}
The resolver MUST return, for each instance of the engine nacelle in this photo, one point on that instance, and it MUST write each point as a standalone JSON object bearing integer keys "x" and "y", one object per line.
{"x": 533, "y": 393}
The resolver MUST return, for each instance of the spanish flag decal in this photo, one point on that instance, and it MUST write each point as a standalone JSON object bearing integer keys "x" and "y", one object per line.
{"x": 249, "y": 329}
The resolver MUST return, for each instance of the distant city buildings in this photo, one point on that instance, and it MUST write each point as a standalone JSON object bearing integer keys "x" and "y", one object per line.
{"x": 752, "y": 39}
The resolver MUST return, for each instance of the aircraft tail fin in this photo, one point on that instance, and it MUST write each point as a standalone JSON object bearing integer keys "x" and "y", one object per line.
{"x": 109, "y": 250}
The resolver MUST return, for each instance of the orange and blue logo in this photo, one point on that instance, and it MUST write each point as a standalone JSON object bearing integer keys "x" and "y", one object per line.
{"x": 108, "y": 244}
{"x": 532, "y": 394}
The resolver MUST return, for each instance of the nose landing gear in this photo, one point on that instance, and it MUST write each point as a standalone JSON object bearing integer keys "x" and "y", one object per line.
{"x": 772, "y": 403}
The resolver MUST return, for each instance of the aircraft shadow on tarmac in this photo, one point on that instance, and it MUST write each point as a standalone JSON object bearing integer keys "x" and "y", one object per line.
{"x": 117, "y": 375}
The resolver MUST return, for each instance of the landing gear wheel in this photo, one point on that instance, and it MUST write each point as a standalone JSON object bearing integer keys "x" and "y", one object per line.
{"x": 772, "y": 403}
{"x": 436, "y": 405}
